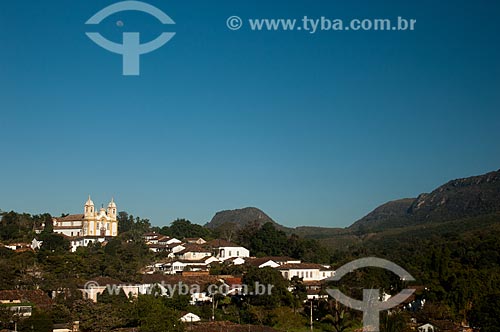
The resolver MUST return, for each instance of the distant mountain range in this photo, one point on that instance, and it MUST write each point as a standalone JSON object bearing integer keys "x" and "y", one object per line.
{"x": 460, "y": 199}
{"x": 457, "y": 199}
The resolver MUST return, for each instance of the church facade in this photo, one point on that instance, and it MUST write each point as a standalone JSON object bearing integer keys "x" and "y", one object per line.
{"x": 91, "y": 223}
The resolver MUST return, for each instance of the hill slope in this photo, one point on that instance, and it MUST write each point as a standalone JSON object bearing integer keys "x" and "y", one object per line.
{"x": 457, "y": 199}
{"x": 240, "y": 218}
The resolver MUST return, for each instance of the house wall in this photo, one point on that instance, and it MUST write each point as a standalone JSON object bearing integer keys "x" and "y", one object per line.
{"x": 193, "y": 255}
{"x": 306, "y": 274}
{"x": 233, "y": 252}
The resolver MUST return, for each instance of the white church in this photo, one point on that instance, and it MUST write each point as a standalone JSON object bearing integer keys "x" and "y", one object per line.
{"x": 91, "y": 226}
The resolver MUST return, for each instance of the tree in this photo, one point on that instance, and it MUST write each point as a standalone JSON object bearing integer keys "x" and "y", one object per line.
{"x": 127, "y": 223}
{"x": 53, "y": 242}
{"x": 299, "y": 292}
{"x": 334, "y": 315}
{"x": 486, "y": 313}
{"x": 39, "y": 321}
{"x": 274, "y": 285}
{"x": 182, "y": 228}
{"x": 97, "y": 316}
{"x": 154, "y": 316}
{"x": 393, "y": 322}
{"x": 6, "y": 316}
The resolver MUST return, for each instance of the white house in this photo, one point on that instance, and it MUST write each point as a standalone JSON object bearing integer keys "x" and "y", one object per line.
{"x": 199, "y": 298}
{"x": 175, "y": 248}
{"x": 195, "y": 240}
{"x": 177, "y": 266}
{"x": 426, "y": 328}
{"x": 306, "y": 271}
{"x": 151, "y": 236}
{"x": 84, "y": 241}
{"x": 190, "y": 318}
{"x": 224, "y": 249}
{"x": 238, "y": 261}
{"x": 273, "y": 262}
{"x": 161, "y": 245}
{"x": 172, "y": 240}
{"x": 193, "y": 252}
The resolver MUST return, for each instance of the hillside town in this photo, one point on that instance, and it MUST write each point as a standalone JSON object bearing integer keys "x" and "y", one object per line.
{"x": 213, "y": 277}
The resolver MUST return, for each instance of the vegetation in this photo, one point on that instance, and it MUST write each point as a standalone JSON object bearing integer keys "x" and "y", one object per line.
{"x": 456, "y": 263}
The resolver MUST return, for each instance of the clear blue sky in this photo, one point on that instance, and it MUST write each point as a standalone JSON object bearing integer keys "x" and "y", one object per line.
{"x": 313, "y": 129}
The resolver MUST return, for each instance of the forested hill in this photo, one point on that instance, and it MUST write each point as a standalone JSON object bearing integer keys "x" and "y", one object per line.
{"x": 458, "y": 199}
{"x": 240, "y": 218}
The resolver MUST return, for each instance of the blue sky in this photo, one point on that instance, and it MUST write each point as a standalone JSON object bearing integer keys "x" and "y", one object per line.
{"x": 315, "y": 129}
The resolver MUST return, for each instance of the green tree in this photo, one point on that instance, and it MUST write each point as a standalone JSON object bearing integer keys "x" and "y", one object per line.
{"x": 486, "y": 313}
{"x": 182, "y": 228}
{"x": 154, "y": 316}
{"x": 39, "y": 321}
{"x": 53, "y": 242}
{"x": 275, "y": 287}
{"x": 299, "y": 292}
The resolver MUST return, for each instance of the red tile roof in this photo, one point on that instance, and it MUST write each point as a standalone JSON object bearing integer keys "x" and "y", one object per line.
{"x": 71, "y": 217}
{"x": 38, "y": 297}
{"x": 101, "y": 281}
{"x": 193, "y": 248}
{"x": 217, "y": 243}
{"x": 301, "y": 266}
{"x": 233, "y": 281}
{"x": 261, "y": 260}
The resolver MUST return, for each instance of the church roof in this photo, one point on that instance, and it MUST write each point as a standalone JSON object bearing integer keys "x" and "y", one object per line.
{"x": 71, "y": 217}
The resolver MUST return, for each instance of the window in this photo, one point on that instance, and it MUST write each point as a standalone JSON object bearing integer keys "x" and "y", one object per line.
{"x": 229, "y": 253}
{"x": 238, "y": 253}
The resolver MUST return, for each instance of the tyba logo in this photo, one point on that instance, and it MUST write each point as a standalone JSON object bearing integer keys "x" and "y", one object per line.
{"x": 371, "y": 305}
{"x": 131, "y": 49}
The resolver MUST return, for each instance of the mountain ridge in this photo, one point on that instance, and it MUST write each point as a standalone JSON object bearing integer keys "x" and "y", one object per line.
{"x": 457, "y": 199}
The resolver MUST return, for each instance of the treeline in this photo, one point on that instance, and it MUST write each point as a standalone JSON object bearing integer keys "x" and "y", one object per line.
{"x": 17, "y": 227}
